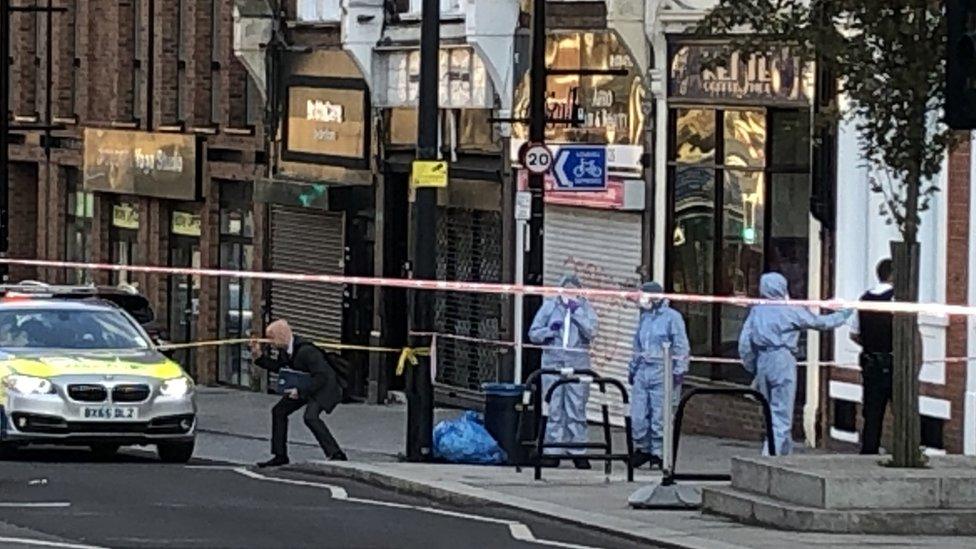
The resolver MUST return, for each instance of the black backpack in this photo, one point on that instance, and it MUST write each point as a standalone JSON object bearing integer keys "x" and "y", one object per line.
{"x": 339, "y": 365}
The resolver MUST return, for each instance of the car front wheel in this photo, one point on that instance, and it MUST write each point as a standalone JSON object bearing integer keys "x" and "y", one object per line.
{"x": 175, "y": 452}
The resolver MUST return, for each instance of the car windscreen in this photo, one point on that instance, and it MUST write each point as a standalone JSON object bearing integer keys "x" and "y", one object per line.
{"x": 69, "y": 329}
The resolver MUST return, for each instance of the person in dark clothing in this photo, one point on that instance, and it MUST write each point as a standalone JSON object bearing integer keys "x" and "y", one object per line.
{"x": 323, "y": 394}
{"x": 873, "y": 332}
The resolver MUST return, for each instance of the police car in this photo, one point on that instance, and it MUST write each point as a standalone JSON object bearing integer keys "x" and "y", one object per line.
{"x": 78, "y": 367}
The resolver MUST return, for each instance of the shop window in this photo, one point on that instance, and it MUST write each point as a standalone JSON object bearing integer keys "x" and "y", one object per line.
{"x": 319, "y": 10}
{"x": 762, "y": 198}
{"x": 845, "y": 415}
{"x": 695, "y": 136}
{"x": 123, "y": 241}
{"x": 463, "y": 79}
{"x": 932, "y": 432}
{"x": 79, "y": 212}
{"x": 236, "y": 307}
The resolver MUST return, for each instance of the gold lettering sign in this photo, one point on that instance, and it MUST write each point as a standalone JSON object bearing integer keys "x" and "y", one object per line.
{"x": 125, "y": 216}
{"x": 326, "y": 122}
{"x": 160, "y": 165}
{"x": 186, "y": 224}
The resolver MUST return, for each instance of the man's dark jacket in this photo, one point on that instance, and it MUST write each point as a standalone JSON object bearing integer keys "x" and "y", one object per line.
{"x": 306, "y": 357}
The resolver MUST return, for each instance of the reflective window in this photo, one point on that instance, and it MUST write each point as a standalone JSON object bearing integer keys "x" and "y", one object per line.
{"x": 695, "y": 136}
{"x": 745, "y": 139}
{"x": 732, "y": 177}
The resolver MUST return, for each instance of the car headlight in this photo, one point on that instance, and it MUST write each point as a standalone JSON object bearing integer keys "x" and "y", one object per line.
{"x": 176, "y": 387}
{"x": 28, "y": 385}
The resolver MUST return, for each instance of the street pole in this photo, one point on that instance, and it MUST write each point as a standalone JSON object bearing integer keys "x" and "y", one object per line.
{"x": 528, "y": 232}
{"x": 4, "y": 134}
{"x": 420, "y": 394}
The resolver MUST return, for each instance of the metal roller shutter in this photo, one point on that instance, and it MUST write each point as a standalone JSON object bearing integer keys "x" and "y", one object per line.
{"x": 469, "y": 248}
{"x": 311, "y": 242}
{"x": 604, "y": 249}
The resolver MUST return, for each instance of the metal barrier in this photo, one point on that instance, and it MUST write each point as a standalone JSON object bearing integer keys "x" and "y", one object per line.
{"x": 671, "y": 476}
{"x": 533, "y": 392}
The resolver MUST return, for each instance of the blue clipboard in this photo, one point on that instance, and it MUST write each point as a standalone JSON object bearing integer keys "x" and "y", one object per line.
{"x": 293, "y": 379}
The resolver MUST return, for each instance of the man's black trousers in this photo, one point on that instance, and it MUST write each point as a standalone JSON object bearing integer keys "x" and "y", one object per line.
{"x": 279, "y": 426}
{"x": 876, "y": 375}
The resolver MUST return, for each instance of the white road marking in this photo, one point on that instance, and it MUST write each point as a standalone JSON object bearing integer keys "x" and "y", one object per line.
{"x": 337, "y": 491}
{"x": 518, "y": 530}
{"x": 44, "y": 543}
{"x": 34, "y": 504}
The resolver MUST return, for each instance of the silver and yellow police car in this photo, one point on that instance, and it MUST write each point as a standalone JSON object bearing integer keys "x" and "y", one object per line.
{"x": 77, "y": 368}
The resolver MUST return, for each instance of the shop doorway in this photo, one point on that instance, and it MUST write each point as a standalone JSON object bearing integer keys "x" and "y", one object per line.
{"x": 184, "y": 297}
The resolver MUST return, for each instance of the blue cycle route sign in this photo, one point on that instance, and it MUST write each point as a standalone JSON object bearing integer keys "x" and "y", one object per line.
{"x": 581, "y": 168}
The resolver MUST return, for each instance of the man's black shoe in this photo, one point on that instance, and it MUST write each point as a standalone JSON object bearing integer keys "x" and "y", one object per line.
{"x": 640, "y": 458}
{"x": 582, "y": 463}
{"x": 339, "y": 456}
{"x": 276, "y": 461}
{"x": 657, "y": 462}
{"x": 549, "y": 462}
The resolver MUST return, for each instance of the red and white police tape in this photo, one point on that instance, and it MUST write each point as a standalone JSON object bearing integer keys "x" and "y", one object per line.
{"x": 934, "y": 309}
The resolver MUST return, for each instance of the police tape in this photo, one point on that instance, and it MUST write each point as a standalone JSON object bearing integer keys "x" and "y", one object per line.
{"x": 933, "y": 309}
{"x": 407, "y": 355}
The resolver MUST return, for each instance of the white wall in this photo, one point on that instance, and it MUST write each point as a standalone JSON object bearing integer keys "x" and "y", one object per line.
{"x": 863, "y": 239}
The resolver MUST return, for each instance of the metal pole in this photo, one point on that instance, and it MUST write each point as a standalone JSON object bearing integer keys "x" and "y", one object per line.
{"x": 420, "y": 397}
{"x": 537, "y": 134}
{"x": 667, "y": 413}
{"x": 4, "y": 133}
{"x": 520, "y": 227}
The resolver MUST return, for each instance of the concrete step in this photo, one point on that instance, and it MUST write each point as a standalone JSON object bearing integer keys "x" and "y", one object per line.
{"x": 752, "y": 508}
{"x": 850, "y": 482}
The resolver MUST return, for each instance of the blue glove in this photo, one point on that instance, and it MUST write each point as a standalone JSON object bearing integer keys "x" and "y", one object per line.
{"x": 848, "y": 313}
{"x": 679, "y": 380}
{"x": 556, "y": 326}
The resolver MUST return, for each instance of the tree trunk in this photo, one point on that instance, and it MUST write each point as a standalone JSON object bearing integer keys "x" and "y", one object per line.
{"x": 906, "y": 450}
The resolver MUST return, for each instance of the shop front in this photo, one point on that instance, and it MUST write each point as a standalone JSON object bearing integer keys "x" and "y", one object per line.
{"x": 319, "y": 202}
{"x": 138, "y": 202}
{"x": 739, "y": 187}
{"x": 595, "y": 96}
{"x": 471, "y": 232}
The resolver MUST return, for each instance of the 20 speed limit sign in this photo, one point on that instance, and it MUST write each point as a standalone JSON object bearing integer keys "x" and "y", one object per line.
{"x": 537, "y": 158}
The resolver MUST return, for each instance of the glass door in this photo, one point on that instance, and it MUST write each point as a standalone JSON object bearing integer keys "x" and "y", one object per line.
{"x": 184, "y": 297}
{"x": 123, "y": 251}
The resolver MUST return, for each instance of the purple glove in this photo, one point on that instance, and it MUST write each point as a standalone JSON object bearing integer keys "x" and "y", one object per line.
{"x": 679, "y": 379}
{"x": 573, "y": 305}
{"x": 556, "y": 326}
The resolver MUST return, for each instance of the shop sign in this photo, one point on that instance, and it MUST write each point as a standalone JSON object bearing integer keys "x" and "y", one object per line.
{"x": 327, "y": 121}
{"x": 428, "y": 173}
{"x": 619, "y": 194}
{"x": 160, "y": 165}
{"x": 712, "y": 72}
{"x": 186, "y": 224}
{"x": 125, "y": 216}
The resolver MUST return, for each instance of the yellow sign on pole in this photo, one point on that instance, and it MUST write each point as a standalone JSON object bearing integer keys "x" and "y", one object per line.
{"x": 429, "y": 173}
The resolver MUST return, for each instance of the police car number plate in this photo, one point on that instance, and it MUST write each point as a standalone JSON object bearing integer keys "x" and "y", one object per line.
{"x": 110, "y": 413}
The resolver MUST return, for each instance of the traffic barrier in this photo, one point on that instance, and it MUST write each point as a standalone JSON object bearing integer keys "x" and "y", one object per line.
{"x": 570, "y": 376}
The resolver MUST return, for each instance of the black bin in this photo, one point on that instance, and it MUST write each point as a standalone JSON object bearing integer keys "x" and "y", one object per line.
{"x": 502, "y": 417}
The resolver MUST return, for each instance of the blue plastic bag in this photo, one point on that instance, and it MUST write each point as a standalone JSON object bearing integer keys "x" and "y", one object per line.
{"x": 465, "y": 440}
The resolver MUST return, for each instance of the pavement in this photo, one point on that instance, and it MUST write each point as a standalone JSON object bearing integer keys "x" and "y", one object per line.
{"x": 234, "y": 427}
